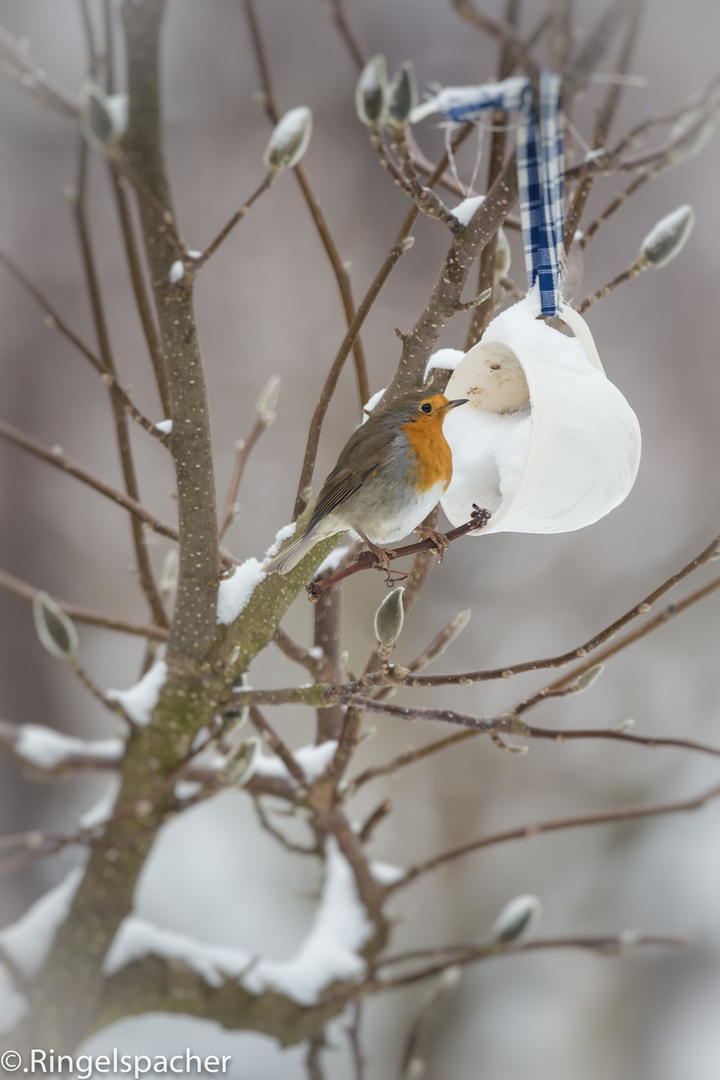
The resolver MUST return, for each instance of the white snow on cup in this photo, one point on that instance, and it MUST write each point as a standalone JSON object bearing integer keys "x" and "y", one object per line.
{"x": 546, "y": 442}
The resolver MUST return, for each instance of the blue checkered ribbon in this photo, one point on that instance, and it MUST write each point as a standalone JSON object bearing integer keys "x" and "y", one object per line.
{"x": 540, "y": 166}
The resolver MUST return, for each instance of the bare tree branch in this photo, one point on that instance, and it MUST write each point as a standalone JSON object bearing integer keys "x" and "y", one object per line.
{"x": 18, "y": 65}
{"x": 338, "y": 266}
{"x": 56, "y": 322}
{"x": 54, "y": 456}
{"x": 524, "y": 832}
{"x": 27, "y": 592}
{"x": 392, "y": 257}
{"x": 127, "y": 462}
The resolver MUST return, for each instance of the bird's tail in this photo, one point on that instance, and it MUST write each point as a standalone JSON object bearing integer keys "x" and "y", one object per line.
{"x": 287, "y": 559}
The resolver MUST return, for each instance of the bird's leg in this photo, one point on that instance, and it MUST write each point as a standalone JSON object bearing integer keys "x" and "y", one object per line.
{"x": 439, "y": 540}
{"x": 382, "y": 556}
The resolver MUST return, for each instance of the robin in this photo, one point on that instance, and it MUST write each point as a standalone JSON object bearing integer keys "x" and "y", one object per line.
{"x": 390, "y": 474}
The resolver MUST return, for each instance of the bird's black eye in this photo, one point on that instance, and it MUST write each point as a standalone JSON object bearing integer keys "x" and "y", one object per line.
{"x": 426, "y": 407}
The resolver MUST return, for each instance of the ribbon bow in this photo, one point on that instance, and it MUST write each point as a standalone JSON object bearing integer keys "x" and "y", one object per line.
{"x": 540, "y": 166}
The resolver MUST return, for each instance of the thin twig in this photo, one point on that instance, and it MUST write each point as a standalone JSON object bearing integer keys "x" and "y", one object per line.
{"x": 97, "y": 693}
{"x": 446, "y": 293}
{"x": 297, "y": 849}
{"x": 21, "y": 589}
{"x": 443, "y": 987}
{"x": 618, "y": 645}
{"x": 142, "y": 297}
{"x": 708, "y": 554}
{"x": 638, "y": 267}
{"x": 89, "y": 38}
{"x": 619, "y": 201}
{"x": 602, "y": 124}
{"x": 401, "y": 237}
{"x": 18, "y": 65}
{"x": 441, "y": 642}
{"x": 455, "y": 955}
{"x": 337, "y": 10}
{"x": 244, "y": 449}
{"x": 54, "y": 456}
{"x": 440, "y": 745}
{"x": 327, "y": 636}
{"x": 511, "y": 724}
{"x": 342, "y": 276}
{"x": 353, "y": 1033}
{"x": 392, "y": 257}
{"x": 313, "y": 1060}
{"x": 128, "y": 175}
{"x": 109, "y": 47}
{"x": 367, "y": 560}
{"x": 127, "y": 463}
{"x": 378, "y": 815}
{"x": 409, "y": 757}
{"x": 277, "y": 745}
{"x": 298, "y": 653}
{"x": 407, "y": 179}
{"x": 488, "y": 257}
{"x": 505, "y": 33}
{"x": 603, "y": 944}
{"x": 523, "y": 832}
{"x": 58, "y": 323}
{"x": 196, "y": 263}
{"x": 421, "y": 162}
{"x": 596, "y": 44}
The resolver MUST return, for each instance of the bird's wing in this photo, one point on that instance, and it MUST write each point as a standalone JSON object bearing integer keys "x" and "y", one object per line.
{"x": 372, "y": 444}
{"x": 339, "y": 486}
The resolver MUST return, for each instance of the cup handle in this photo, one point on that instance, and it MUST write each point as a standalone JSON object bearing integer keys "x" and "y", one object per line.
{"x": 581, "y": 330}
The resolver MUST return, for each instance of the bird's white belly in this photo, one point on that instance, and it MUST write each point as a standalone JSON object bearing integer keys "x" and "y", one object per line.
{"x": 404, "y": 516}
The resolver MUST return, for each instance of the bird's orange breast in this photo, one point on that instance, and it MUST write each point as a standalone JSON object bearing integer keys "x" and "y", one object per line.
{"x": 430, "y": 458}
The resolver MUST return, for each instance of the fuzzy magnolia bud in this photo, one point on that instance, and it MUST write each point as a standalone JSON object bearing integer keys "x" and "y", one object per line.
{"x": 103, "y": 118}
{"x": 289, "y": 139}
{"x": 371, "y": 90}
{"x": 169, "y": 574}
{"x": 692, "y": 131}
{"x": 401, "y": 95}
{"x": 240, "y": 768}
{"x": 268, "y": 400}
{"x": 54, "y": 628}
{"x": 460, "y": 622}
{"x": 668, "y": 237}
{"x": 389, "y": 618}
{"x": 585, "y": 681}
{"x": 450, "y": 978}
{"x": 516, "y": 921}
{"x": 502, "y": 256}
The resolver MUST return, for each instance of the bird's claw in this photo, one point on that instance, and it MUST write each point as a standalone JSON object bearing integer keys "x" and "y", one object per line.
{"x": 439, "y": 540}
{"x": 382, "y": 555}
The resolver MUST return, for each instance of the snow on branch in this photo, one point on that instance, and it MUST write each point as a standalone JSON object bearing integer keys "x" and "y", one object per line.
{"x": 48, "y": 749}
{"x": 138, "y": 938}
{"x": 235, "y": 591}
{"x": 140, "y": 700}
{"x": 28, "y": 941}
{"x": 42, "y": 750}
{"x": 329, "y": 953}
{"x": 313, "y": 760}
{"x": 330, "y": 950}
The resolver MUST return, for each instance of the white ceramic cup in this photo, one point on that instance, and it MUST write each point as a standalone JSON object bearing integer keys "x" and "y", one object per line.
{"x": 545, "y": 437}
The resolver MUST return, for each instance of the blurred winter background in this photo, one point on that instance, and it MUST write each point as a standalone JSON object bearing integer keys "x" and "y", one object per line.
{"x": 268, "y": 304}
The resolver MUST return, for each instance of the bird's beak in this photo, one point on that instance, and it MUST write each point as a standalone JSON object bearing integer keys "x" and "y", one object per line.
{"x": 458, "y": 401}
